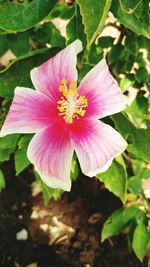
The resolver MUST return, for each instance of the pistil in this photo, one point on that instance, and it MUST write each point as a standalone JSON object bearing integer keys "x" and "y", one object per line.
{"x": 71, "y": 105}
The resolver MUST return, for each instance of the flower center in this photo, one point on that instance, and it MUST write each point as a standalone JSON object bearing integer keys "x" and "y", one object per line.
{"x": 71, "y": 106}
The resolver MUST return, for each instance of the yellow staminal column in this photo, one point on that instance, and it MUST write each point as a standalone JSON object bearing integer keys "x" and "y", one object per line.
{"x": 71, "y": 106}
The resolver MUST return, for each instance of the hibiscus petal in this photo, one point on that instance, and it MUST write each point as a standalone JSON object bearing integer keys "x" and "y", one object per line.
{"x": 102, "y": 92}
{"x": 96, "y": 145}
{"x": 47, "y": 77}
{"x": 30, "y": 111}
{"x": 51, "y": 153}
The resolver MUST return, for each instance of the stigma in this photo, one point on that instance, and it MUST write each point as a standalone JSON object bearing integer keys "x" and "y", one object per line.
{"x": 71, "y": 105}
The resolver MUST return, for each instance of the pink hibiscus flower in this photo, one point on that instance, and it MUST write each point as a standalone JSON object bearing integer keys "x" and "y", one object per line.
{"x": 65, "y": 119}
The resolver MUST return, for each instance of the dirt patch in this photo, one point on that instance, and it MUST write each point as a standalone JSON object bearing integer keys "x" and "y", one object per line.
{"x": 65, "y": 233}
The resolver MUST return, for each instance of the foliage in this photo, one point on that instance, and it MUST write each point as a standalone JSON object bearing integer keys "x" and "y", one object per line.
{"x": 115, "y": 179}
{"x": 25, "y": 16}
{"x": 2, "y": 181}
{"x": 119, "y": 30}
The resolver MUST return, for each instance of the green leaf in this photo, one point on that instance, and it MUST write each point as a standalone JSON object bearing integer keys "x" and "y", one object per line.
{"x": 74, "y": 173}
{"x": 138, "y": 139}
{"x": 125, "y": 84}
{"x": 143, "y": 42}
{"x": 141, "y": 238}
{"x": 48, "y": 193}
{"x": 18, "y": 43}
{"x": 24, "y": 141}
{"x": 137, "y": 166}
{"x": 140, "y": 217}
{"x": 135, "y": 184}
{"x": 141, "y": 171}
{"x": 62, "y": 11}
{"x": 113, "y": 225}
{"x": 7, "y": 146}
{"x": 56, "y": 40}
{"x": 94, "y": 14}
{"x": 85, "y": 69}
{"x": 106, "y": 41}
{"x": 142, "y": 74}
{"x": 3, "y": 44}
{"x": 120, "y": 59}
{"x": 20, "y": 17}
{"x": 18, "y": 73}
{"x": 129, "y": 214}
{"x": 47, "y": 33}
{"x": 9, "y": 141}
{"x": 21, "y": 160}
{"x": 117, "y": 53}
{"x": 115, "y": 180}
{"x": 75, "y": 28}
{"x": 138, "y": 20}
{"x": 5, "y": 154}
{"x": 131, "y": 44}
{"x": 138, "y": 110}
{"x": 2, "y": 181}
{"x": 95, "y": 54}
{"x": 129, "y": 6}
{"x": 118, "y": 221}
{"x": 145, "y": 173}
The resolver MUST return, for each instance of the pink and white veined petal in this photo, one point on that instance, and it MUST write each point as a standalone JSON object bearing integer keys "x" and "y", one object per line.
{"x": 102, "y": 92}
{"x": 29, "y": 112}
{"x": 47, "y": 77}
{"x": 96, "y": 145}
{"x": 51, "y": 153}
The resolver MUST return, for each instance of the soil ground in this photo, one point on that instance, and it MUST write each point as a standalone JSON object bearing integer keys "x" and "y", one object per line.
{"x": 64, "y": 233}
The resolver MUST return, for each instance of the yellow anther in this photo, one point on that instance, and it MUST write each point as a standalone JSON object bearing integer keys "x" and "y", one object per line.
{"x": 61, "y": 88}
{"x": 72, "y": 86}
{"x": 64, "y": 82}
{"x": 71, "y": 106}
{"x": 65, "y": 92}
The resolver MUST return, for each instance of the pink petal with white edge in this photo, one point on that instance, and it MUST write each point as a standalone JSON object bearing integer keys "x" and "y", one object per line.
{"x": 96, "y": 145}
{"x": 102, "y": 92}
{"x": 47, "y": 77}
{"x": 30, "y": 111}
{"x": 51, "y": 152}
